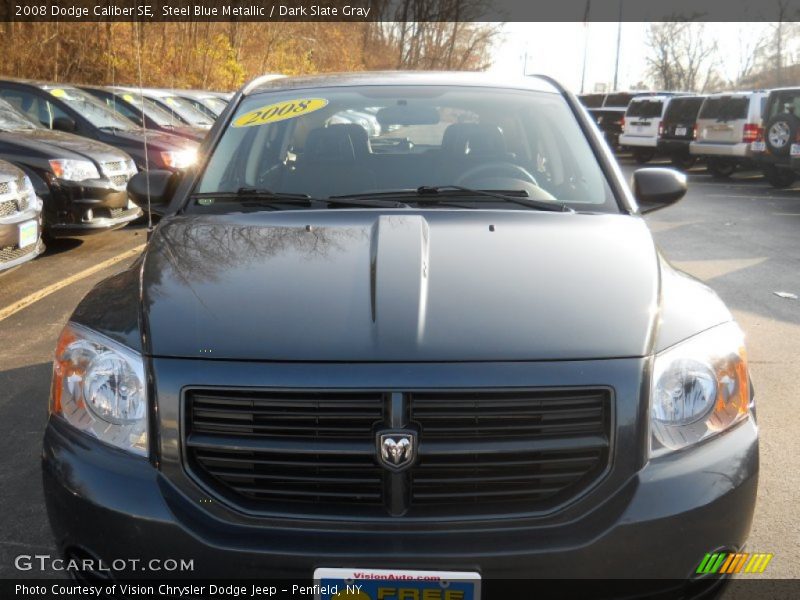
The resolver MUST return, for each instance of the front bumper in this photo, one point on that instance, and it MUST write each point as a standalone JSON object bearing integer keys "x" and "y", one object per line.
{"x": 11, "y": 255}
{"x": 87, "y": 207}
{"x": 739, "y": 150}
{"x": 658, "y": 524}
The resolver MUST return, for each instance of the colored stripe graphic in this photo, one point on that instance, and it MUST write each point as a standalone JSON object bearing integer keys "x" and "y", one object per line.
{"x": 726, "y": 563}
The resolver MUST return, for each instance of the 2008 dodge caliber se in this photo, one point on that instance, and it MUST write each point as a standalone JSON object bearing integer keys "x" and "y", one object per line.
{"x": 450, "y": 347}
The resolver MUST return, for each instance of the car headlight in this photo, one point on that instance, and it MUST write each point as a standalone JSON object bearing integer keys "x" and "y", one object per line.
{"x": 74, "y": 170}
{"x": 99, "y": 387}
{"x": 179, "y": 159}
{"x": 699, "y": 388}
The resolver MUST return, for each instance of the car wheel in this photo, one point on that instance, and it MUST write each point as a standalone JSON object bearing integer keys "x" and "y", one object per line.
{"x": 779, "y": 178}
{"x": 683, "y": 161}
{"x": 643, "y": 155}
{"x": 720, "y": 168}
{"x": 780, "y": 132}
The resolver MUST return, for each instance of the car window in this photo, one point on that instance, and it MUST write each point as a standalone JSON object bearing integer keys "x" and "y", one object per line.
{"x": 592, "y": 100}
{"x": 645, "y": 109}
{"x": 683, "y": 109}
{"x": 725, "y": 108}
{"x": 305, "y": 142}
{"x": 28, "y": 104}
{"x": 184, "y": 111}
{"x": 120, "y": 108}
{"x": 787, "y": 101}
{"x": 618, "y": 100}
{"x": 154, "y": 112}
{"x": 12, "y": 120}
{"x": 215, "y": 104}
{"x": 89, "y": 107}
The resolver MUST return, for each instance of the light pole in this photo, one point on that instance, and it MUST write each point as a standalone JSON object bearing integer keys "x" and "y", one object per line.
{"x": 619, "y": 39}
{"x": 585, "y": 40}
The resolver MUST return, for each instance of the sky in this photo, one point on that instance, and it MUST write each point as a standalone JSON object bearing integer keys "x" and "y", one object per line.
{"x": 557, "y": 49}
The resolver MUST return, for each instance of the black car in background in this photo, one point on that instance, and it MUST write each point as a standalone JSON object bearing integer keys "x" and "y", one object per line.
{"x": 20, "y": 218}
{"x": 608, "y": 111}
{"x": 678, "y": 128}
{"x": 67, "y": 108}
{"x": 82, "y": 182}
{"x": 144, "y": 112}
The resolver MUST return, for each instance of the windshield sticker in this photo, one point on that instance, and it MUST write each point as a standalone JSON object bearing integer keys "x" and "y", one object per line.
{"x": 280, "y": 112}
{"x": 172, "y": 102}
{"x": 58, "y": 93}
{"x": 127, "y": 97}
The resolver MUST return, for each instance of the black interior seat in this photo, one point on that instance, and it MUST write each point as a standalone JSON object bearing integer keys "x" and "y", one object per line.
{"x": 465, "y": 145}
{"x": 335, "y": 160}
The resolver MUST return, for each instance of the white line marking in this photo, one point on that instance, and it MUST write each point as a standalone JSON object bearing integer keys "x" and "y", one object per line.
{"x": 50, "y": 289}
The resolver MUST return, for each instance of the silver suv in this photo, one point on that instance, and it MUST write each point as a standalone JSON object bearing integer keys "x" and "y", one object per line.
{"x": 727, "y": 126}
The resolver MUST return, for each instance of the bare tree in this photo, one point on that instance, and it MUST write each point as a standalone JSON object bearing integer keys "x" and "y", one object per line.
{"x": 682, "y": 56}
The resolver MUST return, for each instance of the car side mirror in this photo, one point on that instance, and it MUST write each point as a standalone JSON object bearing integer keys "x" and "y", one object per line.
{"x": 160, "y": 185}
{"x": 657, "y": 187}
{"x": 65, "y": 124}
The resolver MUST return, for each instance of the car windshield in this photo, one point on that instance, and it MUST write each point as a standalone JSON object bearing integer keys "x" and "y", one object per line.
{"x": 92, "y": 109}
{"x": 152, "y": 111}
{"x": 11, "y": 120}
{"x": 620, "y": 100}
{"x": 183, "y": 110}
{"x": 215, "y": 104}
{"x": 645, "y": 109}
{"x": 306, "y": 142}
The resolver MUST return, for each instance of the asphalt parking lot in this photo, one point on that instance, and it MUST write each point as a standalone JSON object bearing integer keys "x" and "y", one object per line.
{"x": 739, "y": 236}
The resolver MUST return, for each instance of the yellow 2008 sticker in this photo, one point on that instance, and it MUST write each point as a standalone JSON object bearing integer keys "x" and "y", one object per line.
{"x": 58, "y": 93}
{"x": 280, "y": 111}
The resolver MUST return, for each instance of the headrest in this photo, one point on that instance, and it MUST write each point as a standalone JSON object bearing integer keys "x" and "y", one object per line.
{"x": 342, "y": 142}
{"x": 473, "y": 138}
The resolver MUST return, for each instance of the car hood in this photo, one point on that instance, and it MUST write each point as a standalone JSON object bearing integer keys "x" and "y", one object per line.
{"x": 435, "y": 285}
{"x": 157, "y": 140}
{"x": 50, "y": 142}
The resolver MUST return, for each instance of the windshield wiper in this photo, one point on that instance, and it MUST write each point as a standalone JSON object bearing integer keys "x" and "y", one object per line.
{"x": 270, "y": 197}
{"x": 441, "y": 194}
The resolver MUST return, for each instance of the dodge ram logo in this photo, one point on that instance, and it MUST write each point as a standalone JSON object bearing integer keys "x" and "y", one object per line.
{"x": 396, "y": 450}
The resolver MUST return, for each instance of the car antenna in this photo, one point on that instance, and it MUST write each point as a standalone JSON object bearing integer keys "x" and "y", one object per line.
{"x": 144, "y": 124}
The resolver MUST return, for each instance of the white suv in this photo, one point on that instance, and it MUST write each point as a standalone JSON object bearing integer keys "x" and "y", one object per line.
{"x": 727, "y": 126}
{"x": 641, "y": 126}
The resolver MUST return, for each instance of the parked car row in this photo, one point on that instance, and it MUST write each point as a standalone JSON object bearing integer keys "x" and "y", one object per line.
{"x": 67, "y": 153}
{"x": 757, "y": 129}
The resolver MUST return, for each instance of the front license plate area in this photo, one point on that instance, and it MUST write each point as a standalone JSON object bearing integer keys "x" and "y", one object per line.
{"x": 28, "y": 233}
{"x": 391, "y": 584}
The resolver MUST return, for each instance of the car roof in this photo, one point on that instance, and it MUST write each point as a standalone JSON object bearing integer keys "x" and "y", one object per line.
{"x": 271, "y": 83}
{"x": 38, "y": 83}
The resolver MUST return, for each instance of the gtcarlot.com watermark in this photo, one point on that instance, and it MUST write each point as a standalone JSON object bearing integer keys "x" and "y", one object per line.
{"x": 46, "y": 562}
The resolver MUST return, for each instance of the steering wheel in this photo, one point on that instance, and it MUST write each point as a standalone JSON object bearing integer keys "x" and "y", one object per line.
{"x": 497, "y": 169}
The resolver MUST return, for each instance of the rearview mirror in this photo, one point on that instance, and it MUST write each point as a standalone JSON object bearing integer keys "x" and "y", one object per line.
{"x": 403, "y": 114}
{"x": 160, "y": 185}
{"x": 657, "y": 187}
{"x": 64, "y": 124}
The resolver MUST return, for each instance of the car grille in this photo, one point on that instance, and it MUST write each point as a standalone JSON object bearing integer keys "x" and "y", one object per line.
{"x": 10, "y": 253}
{"x": 119, "y": 180}
{"x": 275, "y": 447}
{"x": 480, "y": 452}
{"x": 9, "y": 207}
{"x": 539, "y": 448}
{"x": 117, "y": 213}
